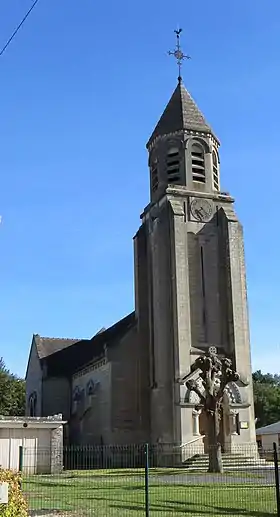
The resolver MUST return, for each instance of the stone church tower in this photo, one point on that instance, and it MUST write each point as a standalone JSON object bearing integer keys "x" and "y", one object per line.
{"x": 190, "y": 279}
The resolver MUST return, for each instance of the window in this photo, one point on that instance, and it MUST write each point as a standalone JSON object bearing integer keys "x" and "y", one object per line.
{"x": 173, "y": 165}
{"x": 33, "y": 404}
{"x": 90, "y": 387}
{"x": 215, "y": 171}
{"x": 154, "y": 176}
{"x": 198, "y": 164}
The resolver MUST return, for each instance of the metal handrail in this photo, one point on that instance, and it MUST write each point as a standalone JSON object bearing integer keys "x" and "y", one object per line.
{"x": 193, "y": 440}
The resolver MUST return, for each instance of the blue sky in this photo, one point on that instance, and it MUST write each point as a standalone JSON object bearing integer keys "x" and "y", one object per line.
{"x": 82, "y": 86}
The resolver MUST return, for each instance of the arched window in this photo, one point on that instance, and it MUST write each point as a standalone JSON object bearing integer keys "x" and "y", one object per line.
{"x": 154, "y": 175}
{"x": 198, "y": 163}
{"x": 173, "y": 165}
{"x": 33, "y": 404}
{"x": 215, "y": 171}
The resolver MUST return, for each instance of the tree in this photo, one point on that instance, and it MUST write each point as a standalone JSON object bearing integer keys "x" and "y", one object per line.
{"x": 266, "y": 378}
{"x": 266, "y": 398}
{"x": 12, "y": 393}
{"x": 215, "y": 374}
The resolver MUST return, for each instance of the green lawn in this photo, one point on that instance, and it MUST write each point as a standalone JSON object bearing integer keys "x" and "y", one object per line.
{"x": 173, "y": 493}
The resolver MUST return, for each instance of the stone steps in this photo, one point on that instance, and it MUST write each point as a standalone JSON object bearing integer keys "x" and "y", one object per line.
{"x": 230, "y": 462}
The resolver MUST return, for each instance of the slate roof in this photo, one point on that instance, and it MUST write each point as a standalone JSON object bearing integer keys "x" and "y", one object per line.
{"x": 70, "y": 359}
{"x": 180, "y": 113}
{"x": 50, "y": 345}
{"x": 269, "y": 429}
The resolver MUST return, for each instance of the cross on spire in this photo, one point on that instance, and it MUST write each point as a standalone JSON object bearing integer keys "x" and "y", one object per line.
{"x": 178, "y": 54}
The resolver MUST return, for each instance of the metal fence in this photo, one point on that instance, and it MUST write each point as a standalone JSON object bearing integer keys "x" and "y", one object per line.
{"x": 148, "y": 481}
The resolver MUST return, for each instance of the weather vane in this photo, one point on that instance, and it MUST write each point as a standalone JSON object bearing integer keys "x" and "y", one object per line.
{"x": 178, "y": 54}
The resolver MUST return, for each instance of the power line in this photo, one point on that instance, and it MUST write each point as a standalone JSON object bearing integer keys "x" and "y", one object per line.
{"x": 18, "y": 27}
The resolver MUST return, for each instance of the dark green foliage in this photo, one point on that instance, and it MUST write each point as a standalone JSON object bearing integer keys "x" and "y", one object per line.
{"x": 17, "y": 506}
{"x": 266, "y": 398}
{"x": 12, "y": 393}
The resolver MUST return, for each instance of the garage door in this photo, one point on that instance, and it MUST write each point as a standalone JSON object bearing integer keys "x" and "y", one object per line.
{"x": 36, "y": 449}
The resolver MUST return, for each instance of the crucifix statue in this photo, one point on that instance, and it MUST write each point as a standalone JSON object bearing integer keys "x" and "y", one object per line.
{"x": 215, "y": 373}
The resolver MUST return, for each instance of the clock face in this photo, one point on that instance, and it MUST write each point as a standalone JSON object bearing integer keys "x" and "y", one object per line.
{"x": 201, "y": 209}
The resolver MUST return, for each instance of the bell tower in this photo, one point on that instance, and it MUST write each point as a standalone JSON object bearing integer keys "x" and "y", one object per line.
{"x": 190, "y": 275}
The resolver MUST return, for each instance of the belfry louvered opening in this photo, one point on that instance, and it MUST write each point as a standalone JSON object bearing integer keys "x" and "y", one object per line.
{"x": 154, "y": 176}
{"x": 198, "y": 163}
{"x": 215, "y": 171}
{"x": 173, "y": 165}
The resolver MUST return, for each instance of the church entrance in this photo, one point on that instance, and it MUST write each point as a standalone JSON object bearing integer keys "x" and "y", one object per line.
{"x": 225, "y": 430}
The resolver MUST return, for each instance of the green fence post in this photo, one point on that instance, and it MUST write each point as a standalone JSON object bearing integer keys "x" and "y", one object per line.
{"x": 147, "y": 502}
{"x": 276, "y": 471}
{"x": 20, "y": 461}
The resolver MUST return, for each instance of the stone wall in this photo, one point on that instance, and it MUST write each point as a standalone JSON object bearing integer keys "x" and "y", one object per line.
{"x": 56, "y": 396}
{"x": 145, "y": 330}
{"x": 57, "y": 450}
{"x": 240, "y": 321}
{"x": 127, "y": 398}
{"x": 91, "y": 404}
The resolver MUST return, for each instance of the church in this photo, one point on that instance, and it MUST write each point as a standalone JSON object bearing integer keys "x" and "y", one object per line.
{"x": 126, "y": 384}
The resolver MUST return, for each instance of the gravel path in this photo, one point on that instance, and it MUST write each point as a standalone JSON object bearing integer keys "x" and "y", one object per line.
{"x": 247, "y": 477}
{"x": 253, "y": 478}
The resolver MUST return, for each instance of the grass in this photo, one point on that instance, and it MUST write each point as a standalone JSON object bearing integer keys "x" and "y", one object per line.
{"x": 121, "y": 493}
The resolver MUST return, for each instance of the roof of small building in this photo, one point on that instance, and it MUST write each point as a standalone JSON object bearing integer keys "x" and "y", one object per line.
{"x": 181, "y": 113}
{"x": 269, "y": 429}
{"x": 51, "y": 422}
{"x": 51, "y": 418}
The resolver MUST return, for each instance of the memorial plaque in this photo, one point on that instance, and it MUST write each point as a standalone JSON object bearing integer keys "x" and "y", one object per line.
{"x": 4, "y": 490}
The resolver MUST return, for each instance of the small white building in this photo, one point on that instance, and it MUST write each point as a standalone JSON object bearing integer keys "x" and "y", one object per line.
{"x": 268, "y": 435}
{"x": 40, "y": 441}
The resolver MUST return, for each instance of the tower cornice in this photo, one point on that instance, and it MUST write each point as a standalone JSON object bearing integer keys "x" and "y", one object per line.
{"x": 179, "y": 191}
{"x": 185, "y": 134}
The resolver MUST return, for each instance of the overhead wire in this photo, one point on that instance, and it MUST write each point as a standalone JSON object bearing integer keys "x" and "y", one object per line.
{"x": 18, "y": 27}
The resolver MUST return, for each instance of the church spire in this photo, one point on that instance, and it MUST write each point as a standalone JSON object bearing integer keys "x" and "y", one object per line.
{"x": 181, "y": 113}
{"x": 183, "y": 150}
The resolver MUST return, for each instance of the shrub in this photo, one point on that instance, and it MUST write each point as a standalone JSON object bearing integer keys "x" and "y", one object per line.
{"x": 17, "y": 506}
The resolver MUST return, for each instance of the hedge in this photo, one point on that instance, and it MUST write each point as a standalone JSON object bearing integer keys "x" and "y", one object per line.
{"x": 17, "y": 506}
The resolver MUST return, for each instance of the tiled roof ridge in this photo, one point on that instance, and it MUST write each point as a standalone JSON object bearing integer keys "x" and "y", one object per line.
{"x": 59, "y": 338}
